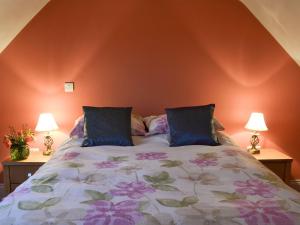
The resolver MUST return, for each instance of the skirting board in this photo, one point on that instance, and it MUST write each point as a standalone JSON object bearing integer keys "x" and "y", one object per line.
{"x": 295, "y": 184}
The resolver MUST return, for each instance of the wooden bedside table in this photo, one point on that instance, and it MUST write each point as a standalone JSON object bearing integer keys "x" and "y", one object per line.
{"x": 277, "y": 162}
{"x": 16, "y": 172}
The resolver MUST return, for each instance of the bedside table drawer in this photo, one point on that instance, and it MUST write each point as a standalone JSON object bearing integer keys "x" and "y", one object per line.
{"x": 13, "y": 187}
{"x": 281, "y": 169}
{"x": 277, "y": 162}
{"x": 18, "y": 174}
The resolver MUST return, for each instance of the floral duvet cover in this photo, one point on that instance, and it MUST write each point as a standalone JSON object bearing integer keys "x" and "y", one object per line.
{"x": 152, "y": 184}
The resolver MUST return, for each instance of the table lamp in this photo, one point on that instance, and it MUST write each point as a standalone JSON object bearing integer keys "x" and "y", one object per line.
{"x": 46, "y": 123}
{"x": 255, "y": 123}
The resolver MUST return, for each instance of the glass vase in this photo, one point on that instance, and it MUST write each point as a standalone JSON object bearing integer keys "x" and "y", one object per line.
{"x": 20, "y": 152}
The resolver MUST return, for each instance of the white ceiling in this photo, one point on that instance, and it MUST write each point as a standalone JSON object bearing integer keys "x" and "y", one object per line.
{"x": 282, "y": 19}
{"x": 14, "y": 15}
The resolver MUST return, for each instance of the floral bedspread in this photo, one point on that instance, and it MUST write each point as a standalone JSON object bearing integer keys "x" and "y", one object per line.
{"x": 152, "y": 184}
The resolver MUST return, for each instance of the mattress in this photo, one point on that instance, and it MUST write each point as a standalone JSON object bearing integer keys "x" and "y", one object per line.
{"x": 152, "y": 184}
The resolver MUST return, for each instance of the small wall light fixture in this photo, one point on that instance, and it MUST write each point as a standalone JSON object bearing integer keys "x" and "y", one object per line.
{"x": 69, "y": 86}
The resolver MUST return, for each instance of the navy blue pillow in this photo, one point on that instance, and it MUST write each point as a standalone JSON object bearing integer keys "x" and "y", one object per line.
{"x": 191, "y": 125}
{"x": 107, "y": 126}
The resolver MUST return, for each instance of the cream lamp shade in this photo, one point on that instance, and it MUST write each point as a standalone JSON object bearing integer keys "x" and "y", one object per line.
{"x": 256, "y": 122}
{"x": 46, "y": 123}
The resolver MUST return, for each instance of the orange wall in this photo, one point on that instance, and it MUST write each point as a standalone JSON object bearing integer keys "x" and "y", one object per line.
{"x": 151, "y": 54}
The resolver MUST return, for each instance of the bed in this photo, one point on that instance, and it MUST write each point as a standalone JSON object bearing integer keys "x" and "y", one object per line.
{"x": 151, "y": 184}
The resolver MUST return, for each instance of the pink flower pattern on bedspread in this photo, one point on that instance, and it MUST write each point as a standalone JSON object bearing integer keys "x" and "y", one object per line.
{"x": 255, "y": 187}
{"x": 204, "y": 162}
{"x": 109, "y": 213}
{"x": 133, "y": 190}
{"x": 106, "y": 164}
{"x": 263, "y": 212}
{"x": 151, "y": 156}
{"x": 70, "y": 155}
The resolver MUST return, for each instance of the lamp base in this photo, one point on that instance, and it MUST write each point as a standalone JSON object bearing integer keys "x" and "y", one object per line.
{"x": 252, "y": 150}
{"x": 254, "y": 147}
{"x": 47, "y": 152}
{"x": 48, "y": 142}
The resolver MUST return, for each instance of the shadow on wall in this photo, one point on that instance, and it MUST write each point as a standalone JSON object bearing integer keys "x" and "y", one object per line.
{"x": 232, "y": 58}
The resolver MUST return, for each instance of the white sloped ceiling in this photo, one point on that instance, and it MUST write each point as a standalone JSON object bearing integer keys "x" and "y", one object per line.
{"x": 14, "y": 15}
{"x": 282, "y": 19}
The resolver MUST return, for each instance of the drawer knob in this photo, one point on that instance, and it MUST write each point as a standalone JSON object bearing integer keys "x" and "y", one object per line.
{"x": 29, "y": 174}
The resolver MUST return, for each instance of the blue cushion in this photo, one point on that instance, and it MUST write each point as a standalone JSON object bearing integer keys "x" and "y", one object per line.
{"x": 107, "y": 126}
{"x": 191, "y": 125}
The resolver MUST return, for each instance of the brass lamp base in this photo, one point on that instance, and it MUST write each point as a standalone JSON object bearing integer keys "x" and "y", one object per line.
{"x": 254, "y": 148}
{"x": 48, "y": 142}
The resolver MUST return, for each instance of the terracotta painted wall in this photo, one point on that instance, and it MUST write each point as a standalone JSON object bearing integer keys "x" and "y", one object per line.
{"x": 151, "y": 55}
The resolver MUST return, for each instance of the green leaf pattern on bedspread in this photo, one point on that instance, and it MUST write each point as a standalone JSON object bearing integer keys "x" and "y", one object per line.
{"x": 153, "y": 185}
{"x": 34, "y": 205}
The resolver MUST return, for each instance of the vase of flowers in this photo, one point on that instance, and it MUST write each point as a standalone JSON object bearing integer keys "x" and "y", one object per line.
{"x": 17, "y": 142}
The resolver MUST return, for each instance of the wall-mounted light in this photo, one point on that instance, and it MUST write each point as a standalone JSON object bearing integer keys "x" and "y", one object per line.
{"x": 69, "y": 86}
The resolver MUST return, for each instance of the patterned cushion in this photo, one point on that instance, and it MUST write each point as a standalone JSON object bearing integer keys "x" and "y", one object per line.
{"x": 137, "y": 126}
{"x": 217, "y": 125}
{"x": 159, "y": 124}
{"x": 78, "y": 129}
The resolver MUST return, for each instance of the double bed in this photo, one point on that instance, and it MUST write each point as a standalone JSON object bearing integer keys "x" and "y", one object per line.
{"x": 152, "y": 184}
